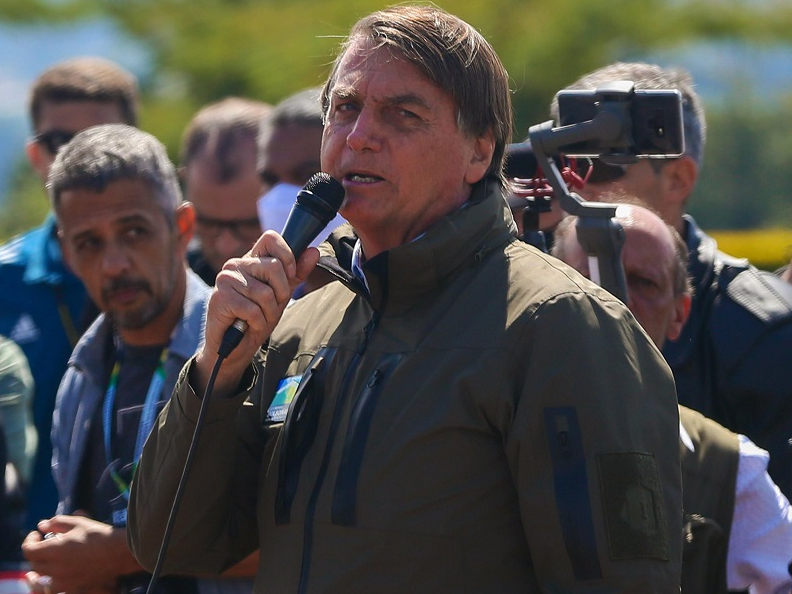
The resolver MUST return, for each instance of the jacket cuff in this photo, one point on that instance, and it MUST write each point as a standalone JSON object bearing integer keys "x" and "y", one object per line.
{"x": 190, "y": 402}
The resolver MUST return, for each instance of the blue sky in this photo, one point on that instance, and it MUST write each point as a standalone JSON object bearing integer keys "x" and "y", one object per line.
{"x": 28, "y": 50}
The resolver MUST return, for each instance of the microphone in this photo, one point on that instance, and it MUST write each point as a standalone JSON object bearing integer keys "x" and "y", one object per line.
{"x": 317, "y": 204}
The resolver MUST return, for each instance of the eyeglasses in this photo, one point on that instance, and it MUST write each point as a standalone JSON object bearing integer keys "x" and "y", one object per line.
{"x": 242, "y": 229}
{"x": 53, "y": 140}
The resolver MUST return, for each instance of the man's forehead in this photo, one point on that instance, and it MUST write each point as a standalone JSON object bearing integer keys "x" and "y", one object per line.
{"x": 573, "y": 252}
{"x": 650, "y": 247}
{"x": 75, "y": 115}
{"x": 365, "y": 63}
{"x": 118, "y": 199}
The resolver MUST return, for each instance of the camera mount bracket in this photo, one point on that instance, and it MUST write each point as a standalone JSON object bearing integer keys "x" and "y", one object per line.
{"x": 599, "y": 234}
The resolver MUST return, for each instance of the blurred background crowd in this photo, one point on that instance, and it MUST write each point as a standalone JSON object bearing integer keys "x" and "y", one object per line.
{"x": 187, "y": 55}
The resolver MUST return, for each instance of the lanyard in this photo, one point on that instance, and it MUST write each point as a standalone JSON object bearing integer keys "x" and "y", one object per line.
{"x": 147, "y": 417}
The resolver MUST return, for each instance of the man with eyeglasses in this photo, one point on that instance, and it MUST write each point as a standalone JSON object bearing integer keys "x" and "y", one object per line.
{"x": 728, "y": 360}
{"x": 218, "y": 170}
{"x": 289, "y": 153}
{"x": 43, "y": 306}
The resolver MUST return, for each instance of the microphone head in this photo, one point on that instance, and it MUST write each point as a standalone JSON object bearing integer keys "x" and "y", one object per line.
{"x": 327, "y": 189}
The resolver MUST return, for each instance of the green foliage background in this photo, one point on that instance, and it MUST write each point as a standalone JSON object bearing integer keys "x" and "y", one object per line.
{"x": 207, "y": 49}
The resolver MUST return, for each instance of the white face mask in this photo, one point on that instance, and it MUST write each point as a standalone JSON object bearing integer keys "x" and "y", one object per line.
{"x": 274, "y": 208}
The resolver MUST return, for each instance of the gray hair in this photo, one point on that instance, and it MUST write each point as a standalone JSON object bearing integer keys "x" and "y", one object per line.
{"x": 654, "y": 77}
{"x": 303, "y": 108}
{"x": 299, "y": 109}
{"x": 454, "y": 56}
{"x": 100, "y": 155}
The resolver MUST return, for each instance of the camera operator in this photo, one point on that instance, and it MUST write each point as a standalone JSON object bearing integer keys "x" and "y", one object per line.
{"x": 728, "y": 361}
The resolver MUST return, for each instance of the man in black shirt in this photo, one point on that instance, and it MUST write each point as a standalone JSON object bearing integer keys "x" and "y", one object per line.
{"x": 124, "y": 231}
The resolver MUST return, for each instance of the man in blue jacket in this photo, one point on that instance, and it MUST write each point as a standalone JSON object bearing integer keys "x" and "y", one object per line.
{"x": 43, "y": 306}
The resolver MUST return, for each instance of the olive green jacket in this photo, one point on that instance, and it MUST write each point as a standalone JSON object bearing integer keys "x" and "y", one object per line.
{"x": 483, "y": 419}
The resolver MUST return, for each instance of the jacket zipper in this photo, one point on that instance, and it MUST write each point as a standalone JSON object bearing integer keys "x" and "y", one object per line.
{"x": 310, "y": 511}
{"x": 344, "y": 509}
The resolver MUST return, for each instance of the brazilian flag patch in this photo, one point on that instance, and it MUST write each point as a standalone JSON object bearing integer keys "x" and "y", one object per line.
{"x": 284, "y": 394}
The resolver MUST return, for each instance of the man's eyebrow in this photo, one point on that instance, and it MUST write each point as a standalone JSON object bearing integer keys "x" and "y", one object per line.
{"x": 344, "y": 92}
{"x": 408, "y": 99}
{"x": 350, "y": 93}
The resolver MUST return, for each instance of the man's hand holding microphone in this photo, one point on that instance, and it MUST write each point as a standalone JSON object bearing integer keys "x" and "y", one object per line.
{"x": 252, "y": 292}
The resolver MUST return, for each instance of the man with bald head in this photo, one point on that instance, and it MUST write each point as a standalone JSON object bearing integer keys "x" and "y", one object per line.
{"x": 658, "y": 290}
{"x": 738, "y": 525}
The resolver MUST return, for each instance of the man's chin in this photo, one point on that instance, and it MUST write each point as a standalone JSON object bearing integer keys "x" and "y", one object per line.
{"x": 131, "y": 320}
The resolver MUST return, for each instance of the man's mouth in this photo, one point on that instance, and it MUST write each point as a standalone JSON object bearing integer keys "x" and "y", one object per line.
{"x": 362, "y": 178}
{"x": 124, "y": 295}
{"x": 124, "y": 291}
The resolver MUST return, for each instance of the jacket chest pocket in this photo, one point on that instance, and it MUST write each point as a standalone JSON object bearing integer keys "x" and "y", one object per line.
{"x": 299, "y": 428}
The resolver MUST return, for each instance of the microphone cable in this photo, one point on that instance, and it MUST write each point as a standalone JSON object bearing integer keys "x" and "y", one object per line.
{"x": 230, "y": 341}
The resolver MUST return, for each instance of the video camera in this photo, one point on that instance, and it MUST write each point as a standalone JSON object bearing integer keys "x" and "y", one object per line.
{"x": 615, "y": 124}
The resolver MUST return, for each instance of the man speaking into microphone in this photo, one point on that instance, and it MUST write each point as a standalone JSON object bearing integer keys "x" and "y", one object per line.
{"x": 457, "y": 412}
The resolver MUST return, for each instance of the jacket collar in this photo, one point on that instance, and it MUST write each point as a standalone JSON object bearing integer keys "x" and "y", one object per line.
{"x": 43, "y": 254}
{"x": 701, "y": 261}
{"x": 701, "y": 268}
{"x": 401, "y": 277}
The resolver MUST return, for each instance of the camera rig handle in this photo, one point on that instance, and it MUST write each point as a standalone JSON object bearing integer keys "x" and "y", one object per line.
{"x": 599, "y": 234}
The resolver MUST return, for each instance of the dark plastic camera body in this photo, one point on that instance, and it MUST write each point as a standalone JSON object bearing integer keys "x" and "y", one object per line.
{"x": 653, "y": 126}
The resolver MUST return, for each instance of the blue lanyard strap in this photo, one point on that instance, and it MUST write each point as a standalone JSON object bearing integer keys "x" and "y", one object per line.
{"x": 147, "y": 418}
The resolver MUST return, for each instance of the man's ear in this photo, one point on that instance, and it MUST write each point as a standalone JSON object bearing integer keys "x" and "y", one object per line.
{"x": 185, "y": 224}
{"x": 64, "y": 250}
{"x": 480, "y": 158}
{"x": 681, "y": 313}
{"x": 40, "y": 159}
{"x": 679, "y": 178}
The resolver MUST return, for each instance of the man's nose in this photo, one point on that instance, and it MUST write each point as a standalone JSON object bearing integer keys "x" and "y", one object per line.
{"x": 365, "y": 133}
{"x": 115, "y": 260}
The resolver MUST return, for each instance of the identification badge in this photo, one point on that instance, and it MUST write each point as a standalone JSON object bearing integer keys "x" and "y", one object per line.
{"x": 284, "y": 394}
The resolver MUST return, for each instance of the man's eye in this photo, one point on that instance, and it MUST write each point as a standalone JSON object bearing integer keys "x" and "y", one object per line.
{"x": 135, "y": 232}
{"x": 643, "y": 281}
{"x": 88, "y": 244}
